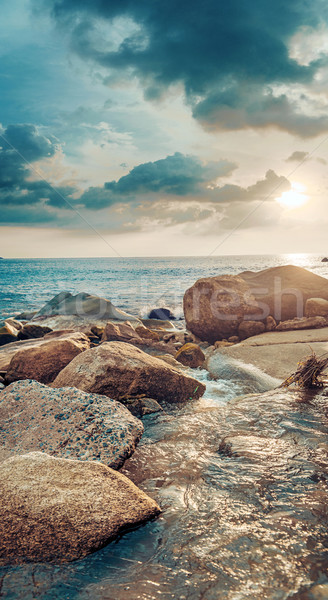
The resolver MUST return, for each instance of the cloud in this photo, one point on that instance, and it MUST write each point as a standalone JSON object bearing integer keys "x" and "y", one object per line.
{"x": 176, "y": 175}
{"x": 21, "y": 145}
{"x": 298, "y": 156}
{"x": 262, "y": 190}
{"x": 215, "y": 51}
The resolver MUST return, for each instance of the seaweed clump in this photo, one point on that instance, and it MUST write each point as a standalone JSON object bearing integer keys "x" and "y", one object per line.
{"x": 308, "y": 373}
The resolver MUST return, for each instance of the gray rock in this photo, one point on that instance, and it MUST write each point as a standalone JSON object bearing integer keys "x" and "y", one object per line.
{"x": 67, "y": 423}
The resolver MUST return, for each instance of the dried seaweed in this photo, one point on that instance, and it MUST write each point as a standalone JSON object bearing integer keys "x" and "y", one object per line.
{"x": 308, "y": 372}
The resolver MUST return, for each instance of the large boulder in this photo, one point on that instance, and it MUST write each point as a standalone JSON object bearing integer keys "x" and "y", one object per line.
{"x": 163, "y": 314}
{"x": 83, "y": 305}
{"x": 45, "y": 361}
{"x": 283, "y": 291}
{"x": 121, "y": 370}
{"x": 54, "y": 509}
{"x": 316, "y": 307}
{"x": 8, "y": 351}
{"x": 214, "y": 307}
{"x": 67, "y": 423}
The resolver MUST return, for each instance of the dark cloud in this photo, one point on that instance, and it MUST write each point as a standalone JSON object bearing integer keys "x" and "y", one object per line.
{"x": 215, "y": 49}
{"x": 176, "y": 175}
{"x": 21, "y": 145}
{"x": 298, "y": 156}
{"x": 262, "y": 190}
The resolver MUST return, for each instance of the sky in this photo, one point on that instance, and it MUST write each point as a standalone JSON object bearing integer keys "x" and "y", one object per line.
{"x": 151, "y": 128}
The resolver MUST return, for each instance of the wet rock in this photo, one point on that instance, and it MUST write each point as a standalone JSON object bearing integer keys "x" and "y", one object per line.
{"x": 45, "y": 361}
{"x": 14, "y": 323}
{"x": 139, "y": 407}
{"x": 146, "y": 333}
{"x": 168, "y": 358}
{"x": 164, "y": 314}
{"x": 247, "y": 329}
{"x": 8, "y": 333}
{"x": 66, "y": 423}
{"x": 304, "y": 323}
{"x": 316, "y": 307}
{"x": 190, "y": 355}
{"x": 270, "y": 323}
{"x": 61, "y": 510}
{"x": 214, "y": 307}
{"x": 325, "y": 259}
{"x": 30, "y": 331}
{"x": 120, "y": 370}
{"x": 83, "y": 305}
{"x": 123, "y": 332}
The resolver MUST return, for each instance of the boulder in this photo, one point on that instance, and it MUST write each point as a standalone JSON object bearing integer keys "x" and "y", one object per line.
{"x": 8, "y": 333}
{"x": 54, "y": 509}
{"x": 120, "y": 370}
{"x": 316, "y": 307}
{"x": 30, "y": 331}
{"x": 45, "y": 361}
{"x": 83, "y": 305}
{"x": 247, "y": 329}
{"x": 304, "y": 323}
{"x": 214, "y": 307}
{"x": 66, "y": 423}
{"x": 190, "y": 355}
{"x": 234, "y": 339}
{"x": 283, "y": 291}
{"x": 325, "y": 259}
{"x": 122, "y": 332}
{"x": 140, "y": 407}
{"x": 164, "y": 314}
{"x": 14, "y": 323}
{"x": 270, "y": 323}
{"x": 146, "y": 333}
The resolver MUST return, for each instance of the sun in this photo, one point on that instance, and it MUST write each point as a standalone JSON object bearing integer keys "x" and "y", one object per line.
{"x": 294, "y": 198}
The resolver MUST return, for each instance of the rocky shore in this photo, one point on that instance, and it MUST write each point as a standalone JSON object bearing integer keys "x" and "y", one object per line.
{"x": 77, "y": 377}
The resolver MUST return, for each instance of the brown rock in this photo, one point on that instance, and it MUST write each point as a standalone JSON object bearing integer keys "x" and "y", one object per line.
{"x": 66, "y": 423}
{"x": 54, "y": 509}
{"x": 44, "y": 362}
{"x": 249, "y": 328}
{"x": 8, "y": 334}
{"x": 304, "y": 323}
{"x": 14, "y": 323}
{"x": 316, "y": 307}
{"x": 139, "y": 407}
{"x": 214, "y": 307}
{"x": 283, "y": 291}
{"x": 190, "y": 355}
{"x": 122, "y": 332}
{"x": 30, "y": 331}
{"x": 223, "y": 344}
{"x": 120, "y": 370}
{"x": 146, "y": 333}
{"x": 234, "y": 339}
{"x": 270, "y": 323}
{"x": 97, "y": 330}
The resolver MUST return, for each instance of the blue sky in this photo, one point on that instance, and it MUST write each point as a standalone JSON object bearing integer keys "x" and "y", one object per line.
{"x": 149, "y": 128}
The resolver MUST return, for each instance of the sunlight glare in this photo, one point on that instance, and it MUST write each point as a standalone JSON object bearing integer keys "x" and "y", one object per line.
{"x": 293, "y": 198}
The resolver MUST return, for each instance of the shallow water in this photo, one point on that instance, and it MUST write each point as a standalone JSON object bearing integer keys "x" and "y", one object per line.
{"x": 242, "y": 485}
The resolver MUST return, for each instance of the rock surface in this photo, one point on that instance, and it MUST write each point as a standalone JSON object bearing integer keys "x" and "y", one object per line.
{"x": 164, "y": 314}
{"x": 66, "y": 423}
{"x": 44, "y": 362}
{"x": 316, "y": 307}
{"x": 304, "y": 323}
{"x": 214, "y": 307}
{"x": 248, "y": 329}
{"x": 61, "y": 510}
{"x": 120, "y": 370}
{"x": 8, "y": 351}
{"x": 146, "y": 333}
{"x": 123, "y": 332}
{"x": 190, "y": 355}
{"x": 277, "y": 353}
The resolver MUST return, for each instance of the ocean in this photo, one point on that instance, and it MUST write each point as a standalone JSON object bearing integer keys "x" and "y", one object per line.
{"x": 132, "y": 284}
